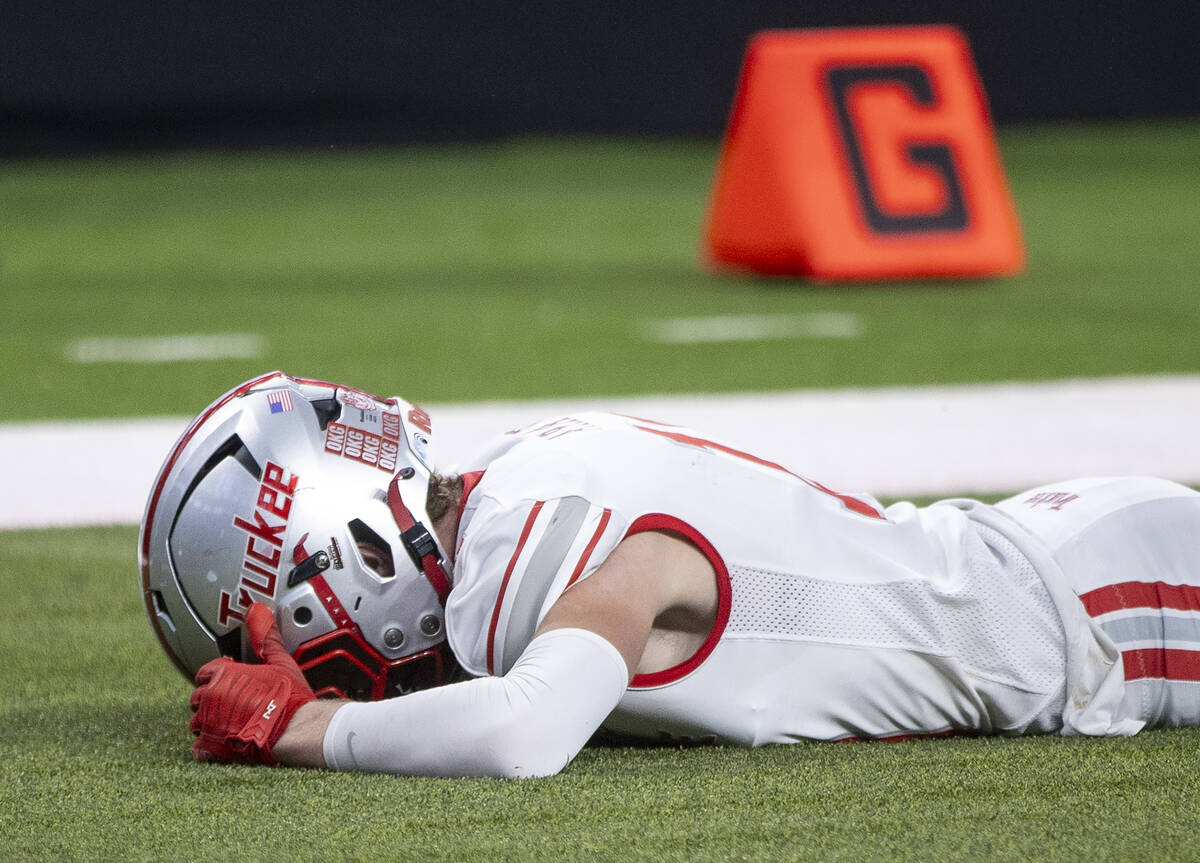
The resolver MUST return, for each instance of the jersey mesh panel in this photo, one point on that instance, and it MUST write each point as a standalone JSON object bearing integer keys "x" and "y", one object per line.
{"x": 998, "y": 621}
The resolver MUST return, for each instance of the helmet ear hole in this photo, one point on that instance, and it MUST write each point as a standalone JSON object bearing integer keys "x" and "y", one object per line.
{"x": 374, "y": 549}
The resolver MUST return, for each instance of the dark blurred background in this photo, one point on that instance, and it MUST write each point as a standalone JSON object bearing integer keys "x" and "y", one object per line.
{"x": 82, "y": 77}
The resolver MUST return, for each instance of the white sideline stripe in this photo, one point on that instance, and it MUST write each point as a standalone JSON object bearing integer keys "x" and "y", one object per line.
{"x": 168, "y": 349}
{"x": 889, "y": 442}
{"x": 749, "y": 328}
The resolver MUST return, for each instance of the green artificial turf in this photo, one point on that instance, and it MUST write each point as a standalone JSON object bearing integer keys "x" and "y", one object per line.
{"x": 94, "y": 764}
{"x": 529, "y": 269}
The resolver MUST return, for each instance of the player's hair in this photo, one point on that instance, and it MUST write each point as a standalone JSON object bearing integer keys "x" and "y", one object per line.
{"x": 444, "y": 494}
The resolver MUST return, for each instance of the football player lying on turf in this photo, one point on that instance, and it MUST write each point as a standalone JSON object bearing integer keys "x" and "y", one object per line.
{"x": 600, "y": 571}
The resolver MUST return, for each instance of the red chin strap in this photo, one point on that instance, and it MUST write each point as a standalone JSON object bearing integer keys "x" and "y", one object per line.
{"x": 419, "y": 542}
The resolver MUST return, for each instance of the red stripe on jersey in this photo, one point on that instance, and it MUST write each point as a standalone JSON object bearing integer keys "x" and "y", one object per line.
{"x": 591, "y": 546}
{"x": 658, "y": 521}
{"x": 1166, "y": 663}
{"x": 1141, "y": 594}
{"x": 470, "y": 479}
{"x": 851, "y": 503}
{"x": 646, "y": 420}
{"x": 512, "y": 564}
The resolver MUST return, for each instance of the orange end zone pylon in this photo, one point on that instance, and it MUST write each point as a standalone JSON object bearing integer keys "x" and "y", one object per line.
{"x": 862, "y": 154}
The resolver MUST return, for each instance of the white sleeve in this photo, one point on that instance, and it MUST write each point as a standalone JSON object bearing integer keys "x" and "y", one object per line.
{"x": 531, "y": 722}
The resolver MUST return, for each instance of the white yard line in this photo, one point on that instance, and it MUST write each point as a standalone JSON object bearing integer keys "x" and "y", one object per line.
{"x": 747, "y": 328}
{"x": 890, "y": 442}
{"x": 168, "y": 349}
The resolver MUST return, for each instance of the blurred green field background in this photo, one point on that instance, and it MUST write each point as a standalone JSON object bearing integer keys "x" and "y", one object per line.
{"x": 526, "y": 270}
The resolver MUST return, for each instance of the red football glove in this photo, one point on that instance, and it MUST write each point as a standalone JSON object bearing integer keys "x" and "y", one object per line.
{"x": 241, "y": 710}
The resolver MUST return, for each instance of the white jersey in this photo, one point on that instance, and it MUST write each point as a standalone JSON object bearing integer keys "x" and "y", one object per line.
{"x": 836, "y": 619}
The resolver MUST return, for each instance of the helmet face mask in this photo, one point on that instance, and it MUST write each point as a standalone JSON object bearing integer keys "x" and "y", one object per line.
{"x": 286, "y": 491}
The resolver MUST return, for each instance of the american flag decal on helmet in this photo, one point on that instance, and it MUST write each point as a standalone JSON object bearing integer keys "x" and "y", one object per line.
{"x": 280, "y": 401}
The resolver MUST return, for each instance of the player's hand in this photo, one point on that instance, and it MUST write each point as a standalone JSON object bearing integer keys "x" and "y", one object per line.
{"x": 241, "y": 710}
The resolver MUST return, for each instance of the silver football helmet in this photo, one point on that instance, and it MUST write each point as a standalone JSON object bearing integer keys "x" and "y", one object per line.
{"x": 310, "y": 497}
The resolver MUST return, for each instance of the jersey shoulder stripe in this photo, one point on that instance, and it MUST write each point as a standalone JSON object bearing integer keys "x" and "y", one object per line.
{"x": 542, "y": 564}
{"x": 516, "y": 560}
{"x": 558, "y": 550}
{"x": 534, "y": 512}
{"x": 586, "y": 557}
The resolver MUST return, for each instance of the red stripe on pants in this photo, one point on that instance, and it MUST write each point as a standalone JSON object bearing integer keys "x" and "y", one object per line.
{"x": 1162, "y": 662}
{"x": 1141, "y": 594}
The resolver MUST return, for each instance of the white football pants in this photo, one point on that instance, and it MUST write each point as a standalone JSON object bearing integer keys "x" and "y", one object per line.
{"x": 1130, "y": 547}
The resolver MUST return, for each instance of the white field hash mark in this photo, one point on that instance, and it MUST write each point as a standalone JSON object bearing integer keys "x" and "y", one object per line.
{"x": 168, "y": 349}
{"x": 751, "y": 328}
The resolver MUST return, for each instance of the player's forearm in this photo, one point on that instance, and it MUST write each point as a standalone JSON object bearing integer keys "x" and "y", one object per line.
{"x": 531, "y": 722}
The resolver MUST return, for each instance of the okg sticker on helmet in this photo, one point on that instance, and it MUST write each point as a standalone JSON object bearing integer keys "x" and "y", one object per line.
{"x": 375, "y": 437}
{"x": 350, "y": 440}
